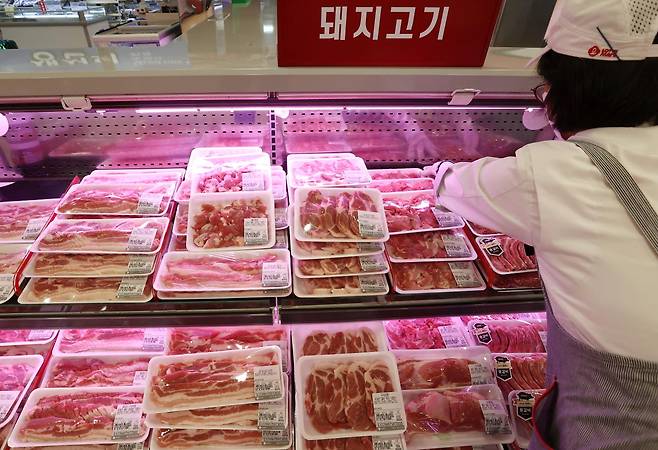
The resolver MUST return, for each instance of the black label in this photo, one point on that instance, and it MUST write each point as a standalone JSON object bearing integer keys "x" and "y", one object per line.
{"x": 492, "y": 246}
{"x": 503, "y": 368}
{"x": 524, "y": 403}
{"x": 482, "y": 333}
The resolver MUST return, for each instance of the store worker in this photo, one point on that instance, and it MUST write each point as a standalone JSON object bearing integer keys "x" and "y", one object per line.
{"x": 587, "y": 202}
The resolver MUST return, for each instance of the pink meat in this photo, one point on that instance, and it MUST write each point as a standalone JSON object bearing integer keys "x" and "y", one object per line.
{"x": 411, "y": 184}
{"x": 177, "y": 439}
{"x": 514, "y": 257}
{"x": 528, "y": 372}
{"x": 416, "y": 333}
{"x": 408, "y": 214}
{"x": 112, "y": 199}
{"x": 429, "y": 374}
{"x": 212, "y": 339}
{"x": 395, "y": 174}
{"x": 330, "y": 266}
{"x": 444, "y": 411}
{"x": 334, "y": 216}
{"x": 14, "y": 217}
{"x": 357, "y": 340}
{"x": 93, "y": 372}
{"x": 424, "y": 245}
{"x": 221, "y": 224}
{"x": 325, "y": 171}
{"x": 101, "y": 339}
{"x": 63, "y": 264}
{"x": 515, "y": 337}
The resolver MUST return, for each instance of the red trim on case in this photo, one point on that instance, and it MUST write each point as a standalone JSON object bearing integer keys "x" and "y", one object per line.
{"x": 538, "y": 401}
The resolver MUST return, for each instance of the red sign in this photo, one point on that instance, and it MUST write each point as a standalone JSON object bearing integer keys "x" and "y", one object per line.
{"x": 385, "y": 32}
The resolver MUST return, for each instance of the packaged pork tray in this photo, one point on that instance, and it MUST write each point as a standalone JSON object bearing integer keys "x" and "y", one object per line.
{"x": 101, "y": 341}
{"x": 233, "y": 173}
{"x": 16, "y": 376}
{"x": 430, "y": 246}
{"x": 509, "y": 336}
{"x": 337, "y": 267}
{"x": 338, "y": 338}
{"x": 519, "y": 371}
{"x": 180, "y": 221}
{"x": 108, "y": 415}
{"x": 177, "y": 439}
{"x": 79, "y": 265}
{"x": 354, "y": 443}
{"x": 402, "y": 185}
{"x": 336, "y": 171}
{"x": 439, "y": 277}
{"x": 303, "y": 250}
{"x": 135, "y": 176}
{"x": 426, "y": 333}
{"x": 411, "y": 212}
{"x": 395, "y": 174}
{"x": 26, "y": 342}
{"x": 345, "y": 286}
{"x": 22, "y": 221}
{"x": 223, "y": 295}
{"x": 373, "y": 407}
{"x": 86, "y": 290}
{"x": 11, "y": 257}
{"x": 339, "y": 215}
{"x": 506, "y": 263}
{"x": 521, "y": 405}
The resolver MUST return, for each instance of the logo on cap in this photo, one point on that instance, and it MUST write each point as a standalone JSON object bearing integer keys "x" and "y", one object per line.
{"x": 594, "y": 51}
{"x": 603, "y": 52}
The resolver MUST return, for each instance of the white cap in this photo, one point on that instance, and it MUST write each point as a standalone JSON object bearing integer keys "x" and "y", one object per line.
{"x": 606, "y": 30}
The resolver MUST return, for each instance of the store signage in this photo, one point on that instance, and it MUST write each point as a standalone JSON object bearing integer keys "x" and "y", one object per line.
{"x": 385, "y": 32}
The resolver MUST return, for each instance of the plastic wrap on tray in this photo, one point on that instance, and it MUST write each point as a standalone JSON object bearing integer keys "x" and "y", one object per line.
{"x": 339, "y": 215}
{"x": 187, "y": 340}
{"x": 26, "y": 342}
{"x": 140, "y": 235}
{"x": 515, "y": 371}
{"x": 479, "y": 230}
{"x": 506, "y": 255}
{"x": 96, "y": 371}
{"x": 203, "y": 158}
{"x": 350, "y": 286}
{"x": 182, "y": 195}
{"x": 177, "y": 243}
{"x": 448, "y": 245}
{"x": 429, "y": 333}
{"x": 16, "y": 376}
{"x": 23, "y": 221}
{"x": 90, "y": 416}
{"x": 234, "y": 221}
{"x": 444, "y": 368}
{"x": 410, "y": 212}
{"x": 318, "y": 172}
{"x": 364, "y": 399}
{"x": 521, "y": 405}
{"x": 529, "y": 280}
{"x": 338, "y": 338}
{"x": 281, "y": 217}
{"x": 353, "y": 443}
{"x": 180, "y": 222}
{"x": 172, "y": 439}
{"x": 509, "y": 336}
{"x": 215, "y": 295}
{"x": 11, "y": 256}
{"x": 150, "y": 199}
{"x": 86, "y": 290}
{"x": 474, "y": 415}
{"x": 503, "y": 316}
{"x": 206, "y": 380}
{"x": 395, "y": 174}
{"x": 321, "y": 250}
{"x": 74, "y": 265}
{"x": 137, "y": 176}
{"x": 232, "y": 173}
{"x": 100, "y": 341}
{"x": 402, "y": 185}
{"x": 87, "y": 447}
{"x": 336, "y": 267}
{"x": 421, "y": 277}
{"x": 234, "y": 271}
{"x": 278, "y": 183}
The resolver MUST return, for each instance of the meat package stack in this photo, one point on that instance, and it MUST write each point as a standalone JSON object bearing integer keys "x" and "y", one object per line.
{"x": 220, "y": 388}
{"x": 103, "y": 244}
{"x": 337, "y": 227}
{"x": 224, "y": 239}
{"x": 508, "y": 263}
{"x": 428, "y": 250}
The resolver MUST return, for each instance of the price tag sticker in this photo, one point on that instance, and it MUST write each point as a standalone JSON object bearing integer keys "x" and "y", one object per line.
{"x": 387, "y": 443}
{"x": 372, "y": 284}
{"x": 496, "y": 420}
{"x": 7, "y": 400}
{"x": 139, "y": 379}
{"x": 272, "y": 415}
{"x": 255, "y": 231}
{"x": 267, "y": 383}
{"x": 131, "y": 287}
{"x": 479, "y": 374}
{"x": 368, "y": 247}
{"x": 275, "y": 274}
{"x": 452, "y": 336}
{"x": 140, "y": 264}
{"x": 141, "y": 239}
{"x": 370, "y": 225}
{"x": 455, "y": 246}
{"x": 33, "y": 228}
{"x": 275, "y": 437}
{"x": 281, "y": 217}
{"x": 40, "y": 335}
{"x": 6, "y": 285}
{"x": 388, "y": 411}
{"x": 133, "y": 446}
{"x": 154, "y": 340}
{"x": 149, "y": 203}
{"x": 465, "y": 274}
{"x": 543, "y": 336}
{"x": 374, "y": 263}
{"x": 446, "y": 219}
{"x": 253, "y": 181}
{"x": 127, "y": 421}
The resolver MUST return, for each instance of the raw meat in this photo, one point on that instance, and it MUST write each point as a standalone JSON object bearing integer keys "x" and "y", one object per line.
{"x": 444, "y": 411}
{"x": 428, "y": 245}
{"x": 323, "y": 215}
{"x": 416, "y": 333}
{"x": 424, "y": 276}
{"x": 213, "y": 339}
{"x": 527, "y": 280}
{"x": 332, "y": 266}
{"x": 410, "y": 184}
{"x": 177, "y": 244}
{"x": 15, "y": 336}
{"x": 208, "y": 439}
{"x": 358, "y": 340}
{"x": 14, "y": 376}
{"x": 329, "y": 249}
{"x": 520, "y": 371}
{"x": 83, "y": 290}
{"x": 134, "y": 176}
{"x": 479, "y": 230}
{"x": 437, "y": 373}
{"x": 180, "y": 223}
{"x": 333, "y": 286}
{"x": 508, "y": 255}
{"x": 224, "y": 179}
{"x": 11, "y": 259}
{"x": 395, "y": 174}
{"x": 75, "y": 447}
{"x": 233, "y": 416}
{"x": 15, "y": 216}
{"x": 413, "y": 213}
{"x": 355, "y": 443}
{"x": 504, "y": 316}
{"x": 95, "y": 372}
{"x": 509, "y": 336}
{"x": 101, "y": 340}
{"x": 85, "y": 265}
{"x": 327, "y": 172}
{"x": 125, "y": 199}
{"x": 76, "y": 416}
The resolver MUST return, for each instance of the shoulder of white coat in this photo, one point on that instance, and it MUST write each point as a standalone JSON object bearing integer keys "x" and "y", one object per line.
{"x": 545, "y": 154}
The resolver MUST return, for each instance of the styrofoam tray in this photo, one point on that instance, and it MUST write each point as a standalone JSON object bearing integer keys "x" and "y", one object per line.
{"x": 407, "y": 185}
{"x": 281, "y": 218}
{"x": 104, "y": 176}
{"x": 259, "y": 162}
{"x": 487, "y": 256}
{"x": 35, "y": 362}
{"x": 451, "y": 220}
{"x": 196, "y": 445}
{"x": 30, "y": 226}
{"x": 475, "y": 233}
{"x": 459, "y": 265}
{"x": 369, "y": 265}
{"x": 460, "y": 245}
{"x": 80, "y": 267}
{"x": 141, "y": 341}
{"x": 223, "y": 295}
{"x": 295, "y": 156}
{"x": 369, "y": 285}
{"x": 35, "y": 337}
{"x": 334, "y": 249}
{"x": 356, "y": 175}
{"x": 122, "y": 290}
{"x": 300, "y": 442}
{"x": 182, "y": 194}
{"x": 11, "y": 257}
{"x": 301, "y": 331}
{"x": 180, "y": 221}
{"x": 396, "y": 174}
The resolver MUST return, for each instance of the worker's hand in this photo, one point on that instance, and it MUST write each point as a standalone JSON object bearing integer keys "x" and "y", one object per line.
{"x": 438, "y": 169}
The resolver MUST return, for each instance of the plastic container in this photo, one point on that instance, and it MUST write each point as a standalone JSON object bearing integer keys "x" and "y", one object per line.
{"x": 430, "y": 246}
{"x": 521, "y": 405}
{"x": 220, "y": 271}
{"x": 91, "y": 424}
{"x": 279, "y": 183}
{"x": 395, "y": 174}
{"x": 200, "y": 157}
{"x": 357, "y": 215}
{"x": 403, "y": 185}
{"x": 133, "y": 176}
{"x": 180, "y": 221}
{"x": 257, "y": 372}
{"x": 411, "y": 212}
{"x": 364, "y": 442}
{"x": 232, "y": 173}
{"x": 223, "y": 295}
{"x": 132, "y": 236}
{"x": 311, "y": 369}
{"x": 444, "y": 368}
{"x": 281, "y": 240}
{"x": 352, "y": 286}
{"x": 117, "y": 199}
{"x": 509, "y": 336}
{"x": 73, "y": 265}
{"x": 23, "y": 221}
{"x": 486, "y": 423}
{"x": 322, "y": 250}
{"x": 428, "y": 333}
{"x": 233, "y": 221}
{"x": 479, "y": 230}
{"x": 506, "y": 255}
{"x": 340, "y": 267}
{"x": 182, "y": 195}
{"x": 11, "y": 256}
{"x": 17, "y": 374}
{"x": 516, "y": 371}
{"x": 338, "y": 338}
{"x": 427, "y": 277}
{"x": 215, "y": 440}
{"x": 327, "y": 172}
{"x": 41, "y": 291}
{"x": 26, "y": 342}
{"x": 101, "y": 341}
{"x": 281, "y": 218}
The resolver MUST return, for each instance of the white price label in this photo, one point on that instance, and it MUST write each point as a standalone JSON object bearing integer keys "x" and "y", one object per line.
{"x": 479, "y": 374}
{"x": 465, "y": 274}
{"x": 267, "y": 383}
{"x": 387, "y": 443}
{"x": 141, "y": 239}
{"x": 446, "y": 219}
{"x": 368, "y": 247}
{"x": 355, "y": 177}
{"x": 253, "y": 181}
{"x": 452, "y": 336}
{"x": 33, "y": 228}
{"x": 275, "y": 274}
{"x": 255, "y": 231}
{"x": 133, "y": 446}
{"x": 272, "y": 415}
{"x": 455, "y": 246}
{"x": 543, "y": 336}
{"x": 388, "y": 411}
{"x": 281, "y": 217}
{"x": 374, "y": 263}
{"x": 154, "y": 340}
{"x": 6, "y": 285}
{"x": 131, "y": 287}
{"x": 496, "y": 420}
{"x": 372, "y": 284}
{"x": 7, "y": 400}
{"x": 370, "y": 225}
{"x": 139, "y": 379}
{"x": 275, "y": 437}
{"x": 140, "y": 264}
{"x": 127, "y": 421}
{"x": 149, "y": 203}
{"x": 39, "y": 335}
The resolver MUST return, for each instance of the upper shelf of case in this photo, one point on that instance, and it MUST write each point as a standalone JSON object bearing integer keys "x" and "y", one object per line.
{"x": 237, "y": 55}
